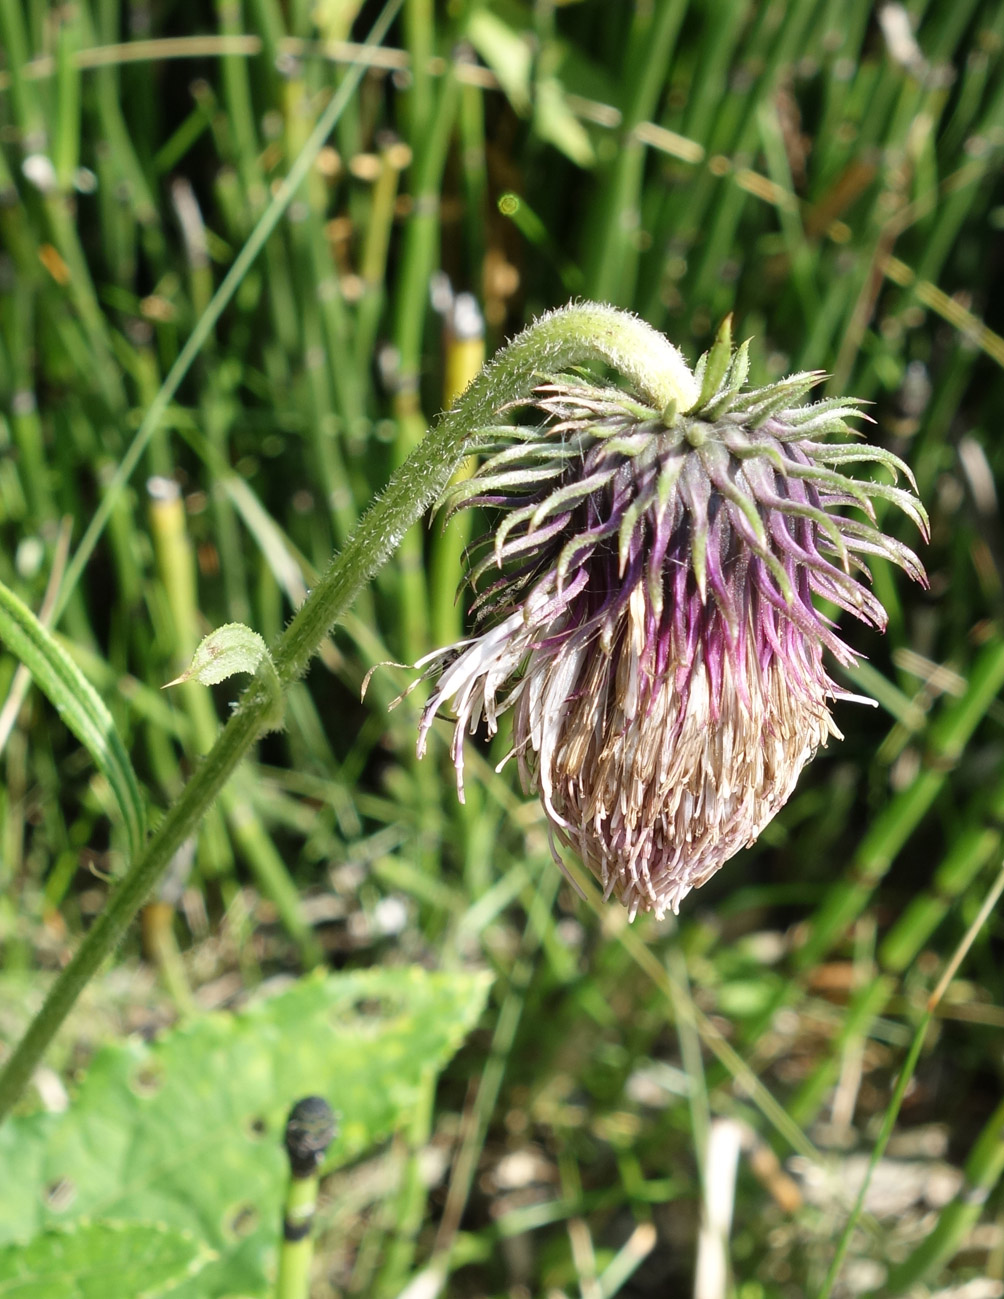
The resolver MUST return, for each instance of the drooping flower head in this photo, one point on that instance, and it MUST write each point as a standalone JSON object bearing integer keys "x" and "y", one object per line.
{"x": 647, "y": 607}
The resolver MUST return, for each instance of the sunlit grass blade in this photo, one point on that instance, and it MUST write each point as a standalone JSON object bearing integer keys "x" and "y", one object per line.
{"x": 77, "y": 702}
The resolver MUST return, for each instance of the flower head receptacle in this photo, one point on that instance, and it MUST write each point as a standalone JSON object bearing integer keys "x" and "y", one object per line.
{"x": 647, "y": 609}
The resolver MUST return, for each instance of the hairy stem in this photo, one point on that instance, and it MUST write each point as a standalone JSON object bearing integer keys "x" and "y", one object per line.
{"x": 572, "y": 335}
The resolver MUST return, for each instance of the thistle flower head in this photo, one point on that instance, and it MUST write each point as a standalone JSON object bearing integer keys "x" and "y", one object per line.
{"x": 647, "y": 608}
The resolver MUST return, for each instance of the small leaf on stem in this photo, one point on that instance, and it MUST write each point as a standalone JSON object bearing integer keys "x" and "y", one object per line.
{"x": 229, "y": 649}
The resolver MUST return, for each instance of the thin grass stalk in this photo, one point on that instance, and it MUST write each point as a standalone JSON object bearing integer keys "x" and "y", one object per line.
{"x": 340, "y": 326}
{"x": 239, "y": 103}
{"x": 394, "y": 157}
{"x": 801, "y": 256}
{"x": 218, "y": 414}
{"x": 36, "y": 133}
{"x": 66, "y": 140}
{"x": 722, "y": 228}
{"x": 269, "y": 23}
{"x": 123, "y": 159}
{"x": 845, "y": 24}
{"x": 319, "y": 385}
{"x": 420, "y": 37}
{"x": 720, "y": 109}
{"x": 419, "y": 259}
{"x": 24, "y": 93}
{"x": 725, "y": 22}
{"x": 650, "y": 48}
{"x": 80, "y": 288}
{"x": 16, "y": 232}
{"x": 980, "y": 76}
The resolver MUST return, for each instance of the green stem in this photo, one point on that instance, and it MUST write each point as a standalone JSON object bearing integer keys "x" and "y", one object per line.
{"x": 295, "y": 1256}
{"x": 104, "y": 935}
{"x": 573, "y": 335}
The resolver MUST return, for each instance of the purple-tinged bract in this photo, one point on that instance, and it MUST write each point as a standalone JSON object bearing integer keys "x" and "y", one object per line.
{"x": 646, "y": 607}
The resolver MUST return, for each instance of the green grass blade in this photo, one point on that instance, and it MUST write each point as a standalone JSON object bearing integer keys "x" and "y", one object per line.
{"x": 77, "y": 702}
{"x": 221, "y": 298}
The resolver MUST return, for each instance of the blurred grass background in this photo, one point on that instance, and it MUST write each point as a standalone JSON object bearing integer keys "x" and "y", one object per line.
{"x": 827, "y": 170}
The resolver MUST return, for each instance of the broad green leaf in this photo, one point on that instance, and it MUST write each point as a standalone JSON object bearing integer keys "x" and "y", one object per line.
{"x": 229, "y": 649}
{"x": 188, "y": 1131}
{"x": 101, "y": 1260}
{"x": 77, "y": 702}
